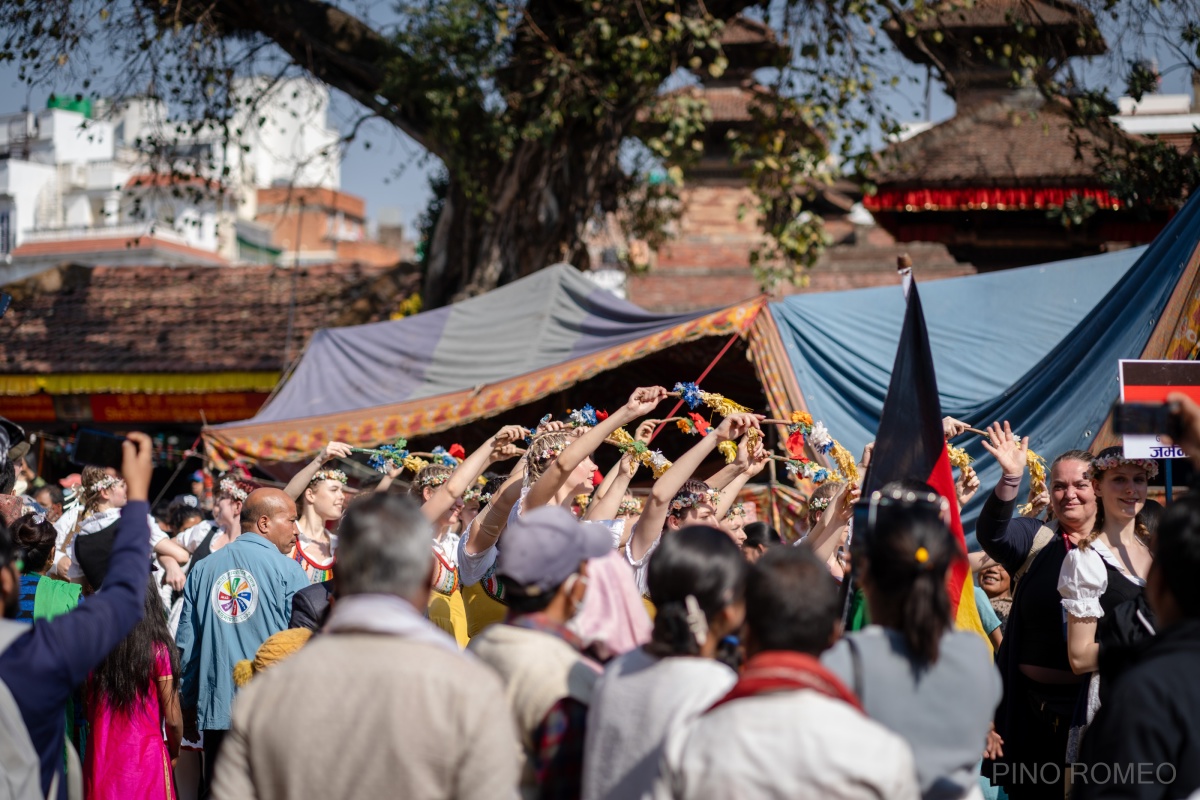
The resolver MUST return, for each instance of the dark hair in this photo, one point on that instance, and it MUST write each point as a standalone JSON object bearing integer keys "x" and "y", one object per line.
{"x": 37, "y": 539}
{"x": 56, "y": 493}
{"x": 179, "y": 512}
{"x": 8, "y": 547}
{"x": 791, "y": 601}
{"x": 8, "y": 477}
{"x": 1073, "y": 455}
{"x": 490, "y": 488}
{"x": 1151, "y": 516}
{"x": 521, "y": 603}
{"x": 125, "y": 678}
{"x": 907, "y": 554}
{"x": 699, "y": 561}
{"x": 1177, "y": 553}
{"x": 760, "y": 534}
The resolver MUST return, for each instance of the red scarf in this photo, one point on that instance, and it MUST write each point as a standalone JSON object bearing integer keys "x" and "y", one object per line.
{"x": 786, "y": 670}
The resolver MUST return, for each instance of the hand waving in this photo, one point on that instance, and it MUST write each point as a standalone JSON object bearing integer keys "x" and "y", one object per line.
{"x": 1008, "y": 450}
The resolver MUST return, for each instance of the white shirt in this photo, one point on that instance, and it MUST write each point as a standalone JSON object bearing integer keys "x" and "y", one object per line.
{"x": 1084, "y": 578}
{"x": 96, "y": 523}
{"x": 640, "y": 565}
{"x": 799, "y": 745}
{"x": 638, "y": 700}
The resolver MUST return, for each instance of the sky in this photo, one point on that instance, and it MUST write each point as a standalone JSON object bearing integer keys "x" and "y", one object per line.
{"x": 391, "y": 172}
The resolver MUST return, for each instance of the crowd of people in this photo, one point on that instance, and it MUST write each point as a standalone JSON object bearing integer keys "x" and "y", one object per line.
{"x": 511, "y": 622}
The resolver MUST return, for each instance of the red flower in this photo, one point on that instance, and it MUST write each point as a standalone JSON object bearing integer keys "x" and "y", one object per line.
{"x": 795, "y": 445}
{"x": 597, "y": 478}
{"x": 457, "y": 451}
{"x": 702, "y": 427}
{"x": 601, "y": 416}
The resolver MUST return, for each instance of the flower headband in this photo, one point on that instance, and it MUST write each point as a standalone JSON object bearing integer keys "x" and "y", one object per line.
{"x": 329, "y": 475}
{"x": 818, "y": 503}
{"x": 1108, "y": 462}
{"x": 230, "y": 489}
{"x": 629, "y": 506}
{"x": 477, "y": 494}
{"x": 684, "y": 500}
{"x": 432, "y": 479}
{"x": 738, "y": 509}
{"x": 107, "y": 482}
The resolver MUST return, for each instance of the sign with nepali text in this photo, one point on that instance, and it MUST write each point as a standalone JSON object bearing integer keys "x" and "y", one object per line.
{"x": 1151, "y": 382}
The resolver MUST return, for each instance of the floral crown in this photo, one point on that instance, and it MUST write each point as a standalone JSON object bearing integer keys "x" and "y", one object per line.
{"x": 548, "y": 450}
{"x": 684, "y": 500}
{"x": 477, "y": 494}
{"x": 1108, "y": 462}
{"x": 629, "y": 506}
{"x": 738, "y": 509}
{"x": 230, "y": 489}
{"x": 107, "y": 482}
{"x": 329, "y": 475}
{"x": 431, "y": 479}
{"x": 818, "y": 503}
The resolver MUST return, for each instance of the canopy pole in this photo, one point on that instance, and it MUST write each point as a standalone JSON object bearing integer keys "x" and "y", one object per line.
{"x": 1168, "y": 479}
{"x": 703, "y": 375}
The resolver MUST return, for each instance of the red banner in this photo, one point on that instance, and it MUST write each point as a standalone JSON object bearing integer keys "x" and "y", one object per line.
{"x": 34, "y": 408}
{"x": 193, "y": 408}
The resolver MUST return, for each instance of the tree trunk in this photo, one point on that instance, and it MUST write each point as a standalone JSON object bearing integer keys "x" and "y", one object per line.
{"x": 536, "y": 215}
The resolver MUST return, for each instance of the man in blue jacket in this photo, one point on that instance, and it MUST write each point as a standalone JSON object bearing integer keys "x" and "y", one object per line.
{"x": 45, "y": 664}
{"x": 233, "y": 601}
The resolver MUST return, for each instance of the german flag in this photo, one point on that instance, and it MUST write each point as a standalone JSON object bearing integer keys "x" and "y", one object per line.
{"x": 910, "y": 444}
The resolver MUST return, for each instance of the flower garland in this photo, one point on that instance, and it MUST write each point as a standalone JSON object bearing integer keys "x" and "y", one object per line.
{"x": 432, "y": 480}
{"x": 654, "y": 459}
{"x": 694, "y": 398}
{"x": 960, "y": 458}
{"x": 694, "y": 425}
{"x": 107, "y": 482}
{"x": 1037, "y": 479}
{"x": 738, "y": 509}
{"x": 818, "y": 504}
{"x": 586, "y": 416}
{"x": 805, "y": 431}
{"x": 386, "y": 457}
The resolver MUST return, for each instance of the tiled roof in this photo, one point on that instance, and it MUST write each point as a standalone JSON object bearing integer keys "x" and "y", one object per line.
{"x": 118, "y": 244}
{"x": 77, "y": 319}
{"x": 999, "y": 143}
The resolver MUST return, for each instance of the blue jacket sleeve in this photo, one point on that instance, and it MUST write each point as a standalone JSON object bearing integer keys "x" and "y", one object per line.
{"x": 84, "y": 637}
{"x": 185, "y": 638}
{"x": 1003, "y": 537}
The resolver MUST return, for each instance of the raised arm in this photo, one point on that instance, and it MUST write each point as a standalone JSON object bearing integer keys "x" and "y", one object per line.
{"x": 607, "y": 506}
{"x": 303, "y": 478}
{"x": 640, "y": 403}
{"x": 750, "y": 464}
{"x": 486, "y": 527}
{"x": 84, "y": 637}
{"x": 1000, "y": 538}
{"x": 654, "y": 515}
{"x": 499, "y": 447}
{"x": 830, "y": 530}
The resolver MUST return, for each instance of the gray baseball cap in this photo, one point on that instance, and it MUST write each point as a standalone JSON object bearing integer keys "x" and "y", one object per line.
{"x": 546, "y": 546}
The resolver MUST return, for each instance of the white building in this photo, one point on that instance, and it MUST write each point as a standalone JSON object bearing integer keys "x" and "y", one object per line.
{"x": 79, "y": 178}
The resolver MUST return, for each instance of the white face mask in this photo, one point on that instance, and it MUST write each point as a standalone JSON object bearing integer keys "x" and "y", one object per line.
{"x": 578, "y": 607}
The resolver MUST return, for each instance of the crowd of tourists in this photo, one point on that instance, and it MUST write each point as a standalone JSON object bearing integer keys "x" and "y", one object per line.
{"x": 512, "y": 622}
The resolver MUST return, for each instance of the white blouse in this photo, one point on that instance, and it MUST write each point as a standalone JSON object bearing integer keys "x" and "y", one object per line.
{"x": 1084, "y": 578}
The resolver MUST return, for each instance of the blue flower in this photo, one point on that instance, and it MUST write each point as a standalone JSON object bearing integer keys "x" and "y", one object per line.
{"x": 583, "y": 416}
{"x": 690, "y": 393}
{"x": 440, "y": 456}
{"x": 820, "y": 476}
{"x": 378, "y": 462}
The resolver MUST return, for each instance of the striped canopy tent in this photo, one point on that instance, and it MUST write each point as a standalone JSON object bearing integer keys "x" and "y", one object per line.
{"x": 448, "y": 368}
{"x": 1037, "y": 346}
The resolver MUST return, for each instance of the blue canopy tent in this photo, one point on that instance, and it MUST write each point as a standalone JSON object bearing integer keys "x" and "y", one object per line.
{"x": 1037, "y": 346}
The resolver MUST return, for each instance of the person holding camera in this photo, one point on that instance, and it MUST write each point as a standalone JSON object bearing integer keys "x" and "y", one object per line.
{"x": 40, "y": 666}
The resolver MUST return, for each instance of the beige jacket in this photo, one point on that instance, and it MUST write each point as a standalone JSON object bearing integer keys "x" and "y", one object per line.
{"x": 371, "y": 715}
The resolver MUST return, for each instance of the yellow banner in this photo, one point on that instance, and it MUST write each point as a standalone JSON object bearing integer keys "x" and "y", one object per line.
{"x": 135, "y": 383}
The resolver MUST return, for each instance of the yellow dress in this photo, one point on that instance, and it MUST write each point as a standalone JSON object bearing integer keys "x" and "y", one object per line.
{"x": 481, "y": 609}
{"x": 446, "y": 608}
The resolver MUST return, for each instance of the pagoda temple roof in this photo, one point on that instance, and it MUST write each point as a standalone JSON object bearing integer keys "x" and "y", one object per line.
{"x": 998, "y": 143}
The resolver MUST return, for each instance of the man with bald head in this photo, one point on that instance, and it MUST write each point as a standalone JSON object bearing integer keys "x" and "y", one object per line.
{"x": 234, "y": 599}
